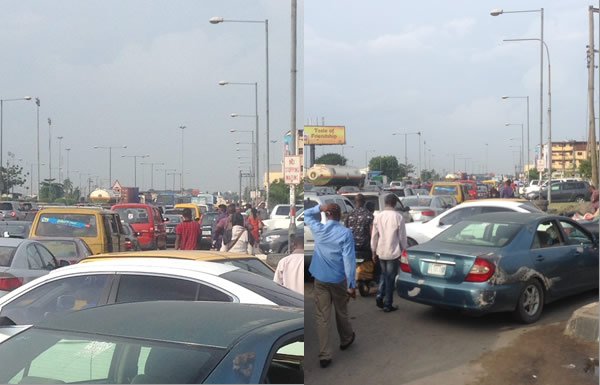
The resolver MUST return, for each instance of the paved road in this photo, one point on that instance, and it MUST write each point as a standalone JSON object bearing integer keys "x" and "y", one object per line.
{"x": 416, "y": 343}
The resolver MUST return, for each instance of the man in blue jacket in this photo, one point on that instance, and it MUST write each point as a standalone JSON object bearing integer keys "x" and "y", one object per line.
{"x": 333, "y": 266}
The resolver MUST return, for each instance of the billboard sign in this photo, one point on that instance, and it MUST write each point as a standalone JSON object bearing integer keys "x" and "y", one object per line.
{"x": 292, "y": 169}
{"x": 324, "y": 135}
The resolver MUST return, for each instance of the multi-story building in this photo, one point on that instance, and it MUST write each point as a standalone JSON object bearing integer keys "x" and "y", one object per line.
{"x": 567, "y": 156}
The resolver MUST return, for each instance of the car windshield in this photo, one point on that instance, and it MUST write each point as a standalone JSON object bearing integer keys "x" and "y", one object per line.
{"x": 474, "y": 233}
{"x": 6, "y": 206}
{"x": 67, "y": 225}
{"x": 443, "y": 190}
{"x": 209, "y": 218}
{"x": 133, "y": 215}
{"x": 266, "y": 288}
{"x": 173, "y": 218}
{"x": 41, "y": 355}
{"x": 6, "y": 254}
{"x": 251, "y": 265}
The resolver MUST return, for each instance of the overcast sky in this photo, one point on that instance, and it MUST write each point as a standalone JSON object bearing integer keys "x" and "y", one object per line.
{"x": 440, "y": 67}
{"x": 114, "y": 73}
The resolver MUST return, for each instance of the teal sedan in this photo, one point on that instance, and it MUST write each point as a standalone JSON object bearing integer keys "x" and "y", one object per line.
{"x": 501, "y": 262}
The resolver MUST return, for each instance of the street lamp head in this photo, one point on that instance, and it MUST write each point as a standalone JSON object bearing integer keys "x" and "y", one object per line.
{"x": 27, "y": 98}
{"x": 96, "y": 147}
{"x": 234, "y": 115}
{"x": 496, "y": 12}
{"x": 216, "y": 20}
{"x": 505, "y": 97}
{"x": 124, "y": 146}
{"x": 232, "y": 130}
{"x": 507, "y": 124}
{"x": 223, "y": 82}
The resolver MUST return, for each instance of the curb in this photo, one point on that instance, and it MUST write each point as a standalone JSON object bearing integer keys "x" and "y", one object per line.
{"x": 583, "y": 324}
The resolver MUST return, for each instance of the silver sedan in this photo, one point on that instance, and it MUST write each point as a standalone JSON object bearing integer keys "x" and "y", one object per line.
{"x": 426, "y": 207}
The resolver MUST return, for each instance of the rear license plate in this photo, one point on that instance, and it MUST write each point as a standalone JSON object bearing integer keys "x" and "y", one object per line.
{"x": 205, "y": 232}
{"x": 436, "y": 269}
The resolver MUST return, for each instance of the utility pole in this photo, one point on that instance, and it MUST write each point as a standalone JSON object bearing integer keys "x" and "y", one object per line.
{"x": 293, "y": 150}
{"x": 592, "y": 118}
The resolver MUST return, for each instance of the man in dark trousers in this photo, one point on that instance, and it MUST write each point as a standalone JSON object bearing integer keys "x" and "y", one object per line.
{"x": 187, "y": 232}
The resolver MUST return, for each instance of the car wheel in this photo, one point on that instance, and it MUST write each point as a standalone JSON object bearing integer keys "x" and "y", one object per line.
{"x": 363, "y": 288}
{"x": 531, "y": 302}
{"x": 579, "y": 199}
{"x": 411, "y": 242}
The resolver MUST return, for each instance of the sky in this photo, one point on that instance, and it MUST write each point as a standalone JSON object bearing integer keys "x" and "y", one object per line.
{"x": 441, "y": 68}
{"x": 130, "y": 73}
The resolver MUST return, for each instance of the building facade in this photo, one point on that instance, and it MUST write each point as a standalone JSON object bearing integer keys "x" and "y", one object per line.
{"x": 568, "y": 155}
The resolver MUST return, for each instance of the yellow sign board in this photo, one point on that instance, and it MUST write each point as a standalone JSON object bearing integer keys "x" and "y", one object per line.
{"x": 324, "y": 135}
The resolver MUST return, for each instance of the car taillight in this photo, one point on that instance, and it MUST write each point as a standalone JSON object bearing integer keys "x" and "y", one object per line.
{"x": 481, "y": 271}
{"x": 156, "y": 229}
{"x": 428, "y": 213}
{"x": 10, "y": 283}
{"x": 128, "y": 245}
{"x": 404, "y": 266}
{"x": 13, "y": 214}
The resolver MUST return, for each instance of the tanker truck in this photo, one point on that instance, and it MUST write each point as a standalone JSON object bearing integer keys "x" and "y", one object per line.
{"x": 334, "y": 175}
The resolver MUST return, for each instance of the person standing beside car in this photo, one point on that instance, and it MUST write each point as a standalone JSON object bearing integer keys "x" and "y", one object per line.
{"x": 187, "y": 232}
{"x": 333, "y": 266}
{"x": 239, "y": 236}
{"x": 290, "y": 269}
{"x": 507, "y": 191}
{"x": 388, "y": 241}
{"x": 360, "y": 221}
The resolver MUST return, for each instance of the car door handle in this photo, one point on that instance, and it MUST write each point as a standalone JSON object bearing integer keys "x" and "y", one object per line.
{"x": 540, "y": 258}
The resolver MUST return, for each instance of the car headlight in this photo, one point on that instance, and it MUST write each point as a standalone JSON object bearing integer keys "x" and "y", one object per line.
{"x": 271, "y": 238}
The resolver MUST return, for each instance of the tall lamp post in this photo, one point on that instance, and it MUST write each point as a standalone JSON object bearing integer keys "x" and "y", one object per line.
{"x": 135, "y": 158}
{"x": 152, "y": 164}
{"x": 68, "y": 150}
{"x": 366, "y": 160}
{"x": 60, "y": 177}
{"x": 406, "y": 149}
{"x": 256, "y": 160}
{"x": 166, "y": 170}
{"x": 109, "y": 148}
{"x": 217, "y": 20}
{"x": 497, "y": 12}
{"x": 528, "y": 145}
{"x": 522, "y": 157}
{"x": 49, "y": 148}
{"x": 2, "y": 134}
{"x": 37, "y": 103}
{"x": 182, "y": 127}
{"x": 254, "y": 150}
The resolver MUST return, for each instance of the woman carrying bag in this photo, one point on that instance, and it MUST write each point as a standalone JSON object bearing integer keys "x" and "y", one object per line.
{"x": 239, "y": 236}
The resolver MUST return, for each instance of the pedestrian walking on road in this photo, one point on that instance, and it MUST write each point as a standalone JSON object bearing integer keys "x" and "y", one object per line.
{"x": 507, "y": 191}
{"x": 219, "y": 227}
{"x": 359, "y": 221}
{"x": 263, "y": 213}
{"x": 333, "y": 267}
{"x": 254, "y": 225}
{"x": 239, "y": 236}
{"x": 188, "y": 232}
{"x": 388, "y": 241}
{"x": 290, "y": 269}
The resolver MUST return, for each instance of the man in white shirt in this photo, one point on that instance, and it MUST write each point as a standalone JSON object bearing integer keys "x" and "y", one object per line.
{"x": 290, "y": 269}
{"x": 388, "y": 241}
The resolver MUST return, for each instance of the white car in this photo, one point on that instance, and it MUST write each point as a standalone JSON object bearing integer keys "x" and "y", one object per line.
{"x": 282, "y": 211}
{"x": 115, "y": 280}
{"x": 282, "y": 223}
{"x": 419, "y": 232}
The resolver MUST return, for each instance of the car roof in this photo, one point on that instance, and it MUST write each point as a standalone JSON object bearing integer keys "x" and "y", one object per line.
{"x": 140, "y": 263}
{"x": 74, "y": 239}
{"x": 190, "y": 255}
{"x": 124, "y": 205}
{"x": 510, "y": 217}
{"x": 74, "y": 210}
{"x": 221, "y": 323}
{"x": 12, "y": 242}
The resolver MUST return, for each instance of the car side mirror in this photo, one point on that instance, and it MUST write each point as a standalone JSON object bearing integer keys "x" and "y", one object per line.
{"x": 63, "y": 263}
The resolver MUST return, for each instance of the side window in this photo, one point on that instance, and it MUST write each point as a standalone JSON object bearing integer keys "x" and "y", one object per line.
{"x": 485, "y": 210}
{"x": 459, "y": 215}
{"x": 48, "y": 259}
{"x": 34, "y": 259}
{"x": 57, "y": 297}
{"x": 285, "y": 365}
{"x": 547, "y": 235}
{"x": 575, "y": 235}
{"x": 114, "y": 227}
{"x": 136, "y": 288}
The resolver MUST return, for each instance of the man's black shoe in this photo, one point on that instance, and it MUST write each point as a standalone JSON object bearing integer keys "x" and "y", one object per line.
{"x": 324, "y": 363}
{"x": 345, "y": 346}
{"x": 390, "y": 309}
{"x": 379, "y": 302}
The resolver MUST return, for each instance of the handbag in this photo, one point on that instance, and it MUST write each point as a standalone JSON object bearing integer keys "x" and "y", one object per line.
{"x": 229, "y": 246}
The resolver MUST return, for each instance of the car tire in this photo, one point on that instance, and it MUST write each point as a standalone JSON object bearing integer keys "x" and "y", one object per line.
{"x": 530, "y": 303}
{"x": 283, "y": 249}
{"x": 411, "y": 242}
{"x": 579, "y": 199}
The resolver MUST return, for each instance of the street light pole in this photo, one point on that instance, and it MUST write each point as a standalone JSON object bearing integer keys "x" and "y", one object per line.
{"x": 49, "y": 148}
{"x": 109, "y": 148}
{"x": 135, "y": 157}
{"x": 60, "y": 178}
{"x": 152, "y": 164}
{"x": 166, "y": 170}
{"x": 521, "y": 156}
{"x": 217, "y": 20}
{"x": 2, "y": 135}
{"x": 256, "y": 160}
{"x": 37, "y": 103}
{"x": 528, "y": 135}
{"x": 406, "y": 148}
{"x": 182, "y": 128}
{"x": 68, "y": 150}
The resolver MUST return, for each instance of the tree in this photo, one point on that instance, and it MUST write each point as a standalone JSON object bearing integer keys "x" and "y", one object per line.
{"x": 51, "y": 191}
{"x": 332, "y": 158}
{"x": 533, "y": 174}
{"x": 388, "y": 165}
{"x": 429, "y": 175}
{"x": 585, "y": 168}
{"x": 279, "y": 192}
{"x": 12, "y": 176}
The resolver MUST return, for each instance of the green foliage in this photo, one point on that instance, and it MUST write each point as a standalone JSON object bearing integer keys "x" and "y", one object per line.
{"x": 12, "y": 176}
{"x": 50, "y": 191}
{"x": 390, "y": 167}
{"x": 430, "y": 175}
{"x": 533, "y": 174}
{"x": 279, "y": 193}
{"x": 332, "y": 159}
{"x": 585, "y": 169}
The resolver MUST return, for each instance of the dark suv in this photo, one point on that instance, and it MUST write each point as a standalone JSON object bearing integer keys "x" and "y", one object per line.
{"x": 577, "y": 191}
